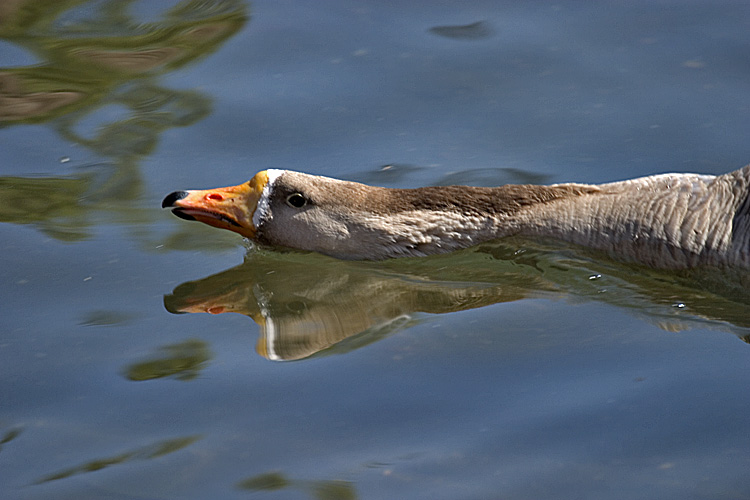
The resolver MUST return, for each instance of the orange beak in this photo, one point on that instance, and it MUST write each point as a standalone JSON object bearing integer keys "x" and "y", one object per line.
{"x": 229, "y": 208}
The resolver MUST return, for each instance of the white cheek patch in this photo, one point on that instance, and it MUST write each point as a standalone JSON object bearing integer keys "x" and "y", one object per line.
{"x": 262, "y": 208}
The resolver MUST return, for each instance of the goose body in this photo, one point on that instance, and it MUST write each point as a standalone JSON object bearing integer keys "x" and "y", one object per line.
{"x": 667, "y": 221}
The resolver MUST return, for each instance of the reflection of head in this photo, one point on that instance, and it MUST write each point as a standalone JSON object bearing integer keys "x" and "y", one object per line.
{"x": 307, "y": 303}
{"x": 303, "y": 304}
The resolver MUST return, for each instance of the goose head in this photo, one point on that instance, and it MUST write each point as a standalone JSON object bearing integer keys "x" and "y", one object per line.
{"x": 351, "y": 220}
{"x": 292, "y": 209}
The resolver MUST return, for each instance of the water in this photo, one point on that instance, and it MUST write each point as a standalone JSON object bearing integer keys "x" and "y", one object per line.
{"x": 502, "y": 371}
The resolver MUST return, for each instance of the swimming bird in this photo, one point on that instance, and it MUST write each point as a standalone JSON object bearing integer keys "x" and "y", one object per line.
{"x": 666, "y": 221}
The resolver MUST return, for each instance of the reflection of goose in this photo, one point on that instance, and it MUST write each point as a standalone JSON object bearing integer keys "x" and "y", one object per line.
{"x": 669, "y": 221}
{"x": 303, "y": 304}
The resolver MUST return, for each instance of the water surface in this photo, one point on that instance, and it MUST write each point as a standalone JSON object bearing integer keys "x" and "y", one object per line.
{"x": 516, "y": 369}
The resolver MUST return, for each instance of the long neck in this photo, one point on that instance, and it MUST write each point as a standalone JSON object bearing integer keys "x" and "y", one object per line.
{"x": 433, "y": 220}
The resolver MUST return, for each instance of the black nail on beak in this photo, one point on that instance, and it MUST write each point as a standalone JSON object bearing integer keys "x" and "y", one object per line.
{"x": 171, "y": 198}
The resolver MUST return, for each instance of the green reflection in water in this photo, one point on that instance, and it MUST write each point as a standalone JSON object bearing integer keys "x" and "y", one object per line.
{"x": 183, "y": 361}
{"x": 270, "y": 481}
{"x": 96, "y": 55}
{"x": 148, "y": 452}
{"x": 106, "y": 318}
{"x": 474, "y": 31}
{"x": 10, "y": 436}
{"x": 323, "y": 490}
{"x": 51, "y": 204}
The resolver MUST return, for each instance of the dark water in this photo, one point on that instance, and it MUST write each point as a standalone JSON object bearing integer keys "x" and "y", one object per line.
{"x": 512, "y": 370}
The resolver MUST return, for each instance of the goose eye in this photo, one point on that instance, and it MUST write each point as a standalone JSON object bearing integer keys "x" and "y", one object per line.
{"x": 296, "y": 200}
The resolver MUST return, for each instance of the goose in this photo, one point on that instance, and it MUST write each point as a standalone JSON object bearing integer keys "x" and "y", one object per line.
{"x": 671, "y": 221}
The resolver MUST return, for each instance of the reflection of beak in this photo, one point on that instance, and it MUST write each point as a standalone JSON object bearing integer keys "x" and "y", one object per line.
{"x": 176, "y": 305}
{"x": 181, "y": 305}
{"x": 229, "y": 208}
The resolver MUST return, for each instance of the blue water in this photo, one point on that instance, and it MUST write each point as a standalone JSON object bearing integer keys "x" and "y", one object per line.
{"x": 515, "y": 370}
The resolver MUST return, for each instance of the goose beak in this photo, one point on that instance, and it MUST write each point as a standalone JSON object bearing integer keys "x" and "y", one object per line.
{"x": 229, "y": 208}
